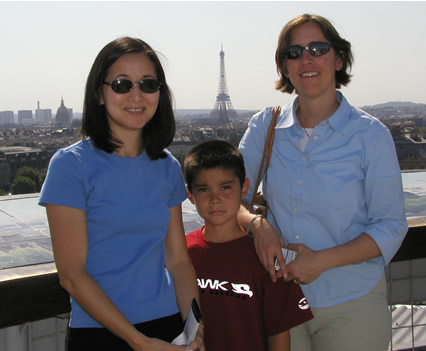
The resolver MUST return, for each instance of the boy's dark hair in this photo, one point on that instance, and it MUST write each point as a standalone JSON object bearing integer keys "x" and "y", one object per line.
{"x": 158, "y": 133}
{"x": 213, "y": 154}
{"x": 341, "y": 47}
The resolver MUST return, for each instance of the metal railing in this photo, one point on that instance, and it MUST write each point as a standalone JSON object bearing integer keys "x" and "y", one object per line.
{"x": 406, "y": 282}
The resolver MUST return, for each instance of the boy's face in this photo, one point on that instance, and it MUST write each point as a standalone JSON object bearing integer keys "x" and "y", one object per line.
{"x": 217, "y": 194}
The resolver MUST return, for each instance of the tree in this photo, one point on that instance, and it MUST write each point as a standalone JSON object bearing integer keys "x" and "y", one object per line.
{"x": 34, "y": 174}
{"x": 23, "y": 185}
{"x": 42, "y": 176}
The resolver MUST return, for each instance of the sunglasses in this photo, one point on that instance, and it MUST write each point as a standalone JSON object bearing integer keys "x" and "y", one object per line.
{"x": 123, "y": 86}
{"x": 315, "y": 49}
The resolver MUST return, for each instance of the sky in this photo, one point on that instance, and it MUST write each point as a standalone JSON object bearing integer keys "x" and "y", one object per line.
{"x": 48, "y": 48}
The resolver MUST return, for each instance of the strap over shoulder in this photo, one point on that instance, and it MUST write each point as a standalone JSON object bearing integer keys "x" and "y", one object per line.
{"x": 267, "y": 149}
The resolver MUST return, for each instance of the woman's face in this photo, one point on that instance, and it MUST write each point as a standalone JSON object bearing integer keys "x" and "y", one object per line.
{"x": 130, "y": 111}
{"x": 312, "y": 76}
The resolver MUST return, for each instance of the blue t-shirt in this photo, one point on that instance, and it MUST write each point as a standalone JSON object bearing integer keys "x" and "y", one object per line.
{"x": 346, "y": 181}
{"x": 127, "y": 203}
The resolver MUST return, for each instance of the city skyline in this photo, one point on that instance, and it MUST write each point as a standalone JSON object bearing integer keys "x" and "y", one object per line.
{"x": 49, "y": 47}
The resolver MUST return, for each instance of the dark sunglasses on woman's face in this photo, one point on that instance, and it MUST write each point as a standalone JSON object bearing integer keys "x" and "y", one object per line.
{"x": 315, "y": 49}
{"x": 123, "y": 86}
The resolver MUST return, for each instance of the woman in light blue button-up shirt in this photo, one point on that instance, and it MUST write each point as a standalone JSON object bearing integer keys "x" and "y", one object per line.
{"x": 334, "y": 190}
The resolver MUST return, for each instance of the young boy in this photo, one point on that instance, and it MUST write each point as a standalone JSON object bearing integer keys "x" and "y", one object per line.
{"x": 242, "y": 308}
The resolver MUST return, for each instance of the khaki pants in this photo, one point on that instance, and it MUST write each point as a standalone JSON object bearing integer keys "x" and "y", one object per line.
{"x": 364, "y": 324}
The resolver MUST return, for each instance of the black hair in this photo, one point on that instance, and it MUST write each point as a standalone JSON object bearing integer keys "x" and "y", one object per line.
{"x": 158, "y": 133}
{"x": 213, "y": 154}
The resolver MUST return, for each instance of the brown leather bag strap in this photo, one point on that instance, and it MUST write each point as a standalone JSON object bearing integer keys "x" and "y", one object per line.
{"x": 267, "y": 149}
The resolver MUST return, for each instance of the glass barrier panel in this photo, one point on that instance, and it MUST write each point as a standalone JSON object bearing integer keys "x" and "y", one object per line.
{"x": 414, "y": 184}
{"x": 25, "y": 236}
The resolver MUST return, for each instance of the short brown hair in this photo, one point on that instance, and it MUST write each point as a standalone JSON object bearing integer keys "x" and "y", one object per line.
{"x": 341, "y": 47}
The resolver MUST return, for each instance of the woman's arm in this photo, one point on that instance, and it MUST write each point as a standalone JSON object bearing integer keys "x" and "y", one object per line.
{"x": 387, "y": 225}
{"x": 69, "y": 240}
{"x": 279, "y": 342}
{"x": 180, "y": 267}
{"x": 309, "y": 264}
{"x": 267, "y": 241}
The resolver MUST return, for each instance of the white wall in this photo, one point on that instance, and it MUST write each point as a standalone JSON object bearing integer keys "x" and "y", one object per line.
{"x": 45, "y": 335}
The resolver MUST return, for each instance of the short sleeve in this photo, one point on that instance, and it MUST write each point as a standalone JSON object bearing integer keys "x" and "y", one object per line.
{"x": 285, "y": 306}
{"x": 65, "y": 182}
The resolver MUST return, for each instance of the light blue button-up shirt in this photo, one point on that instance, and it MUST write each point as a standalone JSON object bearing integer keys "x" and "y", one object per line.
{"x": 347, "y": 181}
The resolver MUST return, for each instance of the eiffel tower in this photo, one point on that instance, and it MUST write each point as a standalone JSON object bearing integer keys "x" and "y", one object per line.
{"x": 223, "y": 109}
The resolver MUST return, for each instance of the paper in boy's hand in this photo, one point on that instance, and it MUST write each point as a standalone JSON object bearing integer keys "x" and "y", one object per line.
{"x": 191, "y": 326}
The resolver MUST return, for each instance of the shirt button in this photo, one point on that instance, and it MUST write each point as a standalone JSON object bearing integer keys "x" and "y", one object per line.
{"x": 298, "y": 236}
{"x": 316, "y": 137}
{"x": 299, "y": 182}
{"x": 297, "y": 209}
{"x": 304, "y": 158}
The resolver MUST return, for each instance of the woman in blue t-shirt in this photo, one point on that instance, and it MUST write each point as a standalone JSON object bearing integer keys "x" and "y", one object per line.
{"x": 113, "y": 202}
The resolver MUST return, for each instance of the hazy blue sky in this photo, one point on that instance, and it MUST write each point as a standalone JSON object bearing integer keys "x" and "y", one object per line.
{"x": 47, "y": 48}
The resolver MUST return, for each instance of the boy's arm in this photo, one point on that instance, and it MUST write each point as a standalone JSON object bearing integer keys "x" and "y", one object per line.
{"x": 279, "y": 342}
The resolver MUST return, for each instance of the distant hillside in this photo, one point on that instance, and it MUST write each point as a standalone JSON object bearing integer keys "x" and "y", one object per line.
{"x": 391, "y": 104}
{"x": 396, "y": 104}
{"x": 185, "y": 112}
{"x": 410, "y": 195}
